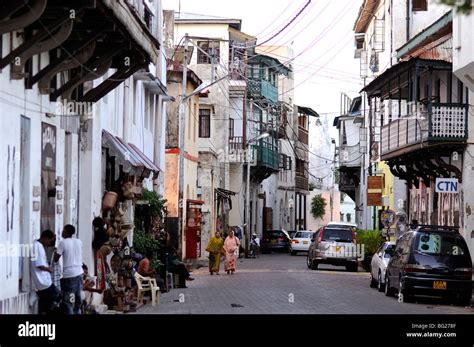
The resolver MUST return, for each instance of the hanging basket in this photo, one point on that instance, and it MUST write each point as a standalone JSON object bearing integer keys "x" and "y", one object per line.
{"x": 128, "y": 191}
{"x": 109, "y": 200}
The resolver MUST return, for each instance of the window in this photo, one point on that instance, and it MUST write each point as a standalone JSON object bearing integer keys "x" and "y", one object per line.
{"x": 419, "y": 5}
{"x": 213, "y": 50}
{"x": 348, "y": 217}
{"x": 255, "y": 72}
{"x": 231, "y": 127}
{"x": 204, "y": 122}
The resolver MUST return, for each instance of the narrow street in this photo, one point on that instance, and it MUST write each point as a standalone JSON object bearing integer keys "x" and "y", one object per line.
{"x": 266, "y": 286}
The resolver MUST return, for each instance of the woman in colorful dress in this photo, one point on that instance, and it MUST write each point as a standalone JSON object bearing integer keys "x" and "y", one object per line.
{"x": 215, "y": 247}
{"x": 231, "y": 247}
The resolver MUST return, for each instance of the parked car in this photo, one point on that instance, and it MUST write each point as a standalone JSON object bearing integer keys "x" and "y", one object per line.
{"x": 379, "y": 264}
{"x": 335, "y": 245}
{"x": 275, "y": 240}
{"x": 301, "y": 241}
{"x": 430, "y": 260}
{"x": 345, "y": 224}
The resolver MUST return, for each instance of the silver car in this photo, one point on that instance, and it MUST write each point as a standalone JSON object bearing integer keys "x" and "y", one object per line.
{"x": 379, "y": 264}
{"x": 335, "y": 245}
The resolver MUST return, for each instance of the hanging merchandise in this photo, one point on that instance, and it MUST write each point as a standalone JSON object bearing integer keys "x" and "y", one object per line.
{"x": 109, "y": 200}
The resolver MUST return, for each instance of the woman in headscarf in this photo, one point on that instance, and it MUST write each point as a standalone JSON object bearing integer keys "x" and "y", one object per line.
{"x": 215, "y": 247}
{"x": 231, "y": 245}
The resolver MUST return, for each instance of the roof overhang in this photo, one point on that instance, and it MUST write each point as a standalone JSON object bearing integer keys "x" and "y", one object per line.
{"x": 133, "y": 160}
{"x": 307, "y": 111}
{"x": 366, "y": 12}
{"x": 437, "y": 30}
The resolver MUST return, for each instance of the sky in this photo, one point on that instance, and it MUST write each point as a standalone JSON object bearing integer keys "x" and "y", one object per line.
{"x": 321, "y": 37}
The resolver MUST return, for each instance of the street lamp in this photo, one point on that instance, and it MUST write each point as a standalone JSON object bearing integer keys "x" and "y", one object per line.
{"x": 247, "y": 191}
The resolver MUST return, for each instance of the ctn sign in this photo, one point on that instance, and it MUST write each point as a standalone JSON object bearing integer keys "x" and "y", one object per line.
{"x": 447, "y": 185}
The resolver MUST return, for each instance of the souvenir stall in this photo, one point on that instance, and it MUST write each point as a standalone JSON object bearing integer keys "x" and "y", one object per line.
{"x": 126, "y": 168}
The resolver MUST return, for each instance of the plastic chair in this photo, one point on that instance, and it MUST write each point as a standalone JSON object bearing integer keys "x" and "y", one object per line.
{"x": 147, "y": 284}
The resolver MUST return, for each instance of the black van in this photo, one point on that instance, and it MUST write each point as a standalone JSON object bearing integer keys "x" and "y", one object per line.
{"x": 430, "y": 260}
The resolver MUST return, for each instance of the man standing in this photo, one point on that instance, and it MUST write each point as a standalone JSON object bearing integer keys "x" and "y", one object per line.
{"x": 70, "y": 249}
{"x": 41, "y": 273}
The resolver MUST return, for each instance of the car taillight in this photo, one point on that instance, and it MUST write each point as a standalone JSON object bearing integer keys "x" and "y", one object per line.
{"x": 415, "y": 268}
{"x": 464, "y": 271}
{"x": 281, "y": 239}
{"x": 295, "y": 241}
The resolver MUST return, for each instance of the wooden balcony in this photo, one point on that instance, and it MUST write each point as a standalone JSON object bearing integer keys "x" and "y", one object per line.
{"x": 303, "y": 136}
{"x": 446, "y": 123}
{"x": 301, "y": 182}
{"x": 350, "y": 156}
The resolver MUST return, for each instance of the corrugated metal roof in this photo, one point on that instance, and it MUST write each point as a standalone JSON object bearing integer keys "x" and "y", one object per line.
{"x": 133, "y": 161}
{"x": 441, "y": 49}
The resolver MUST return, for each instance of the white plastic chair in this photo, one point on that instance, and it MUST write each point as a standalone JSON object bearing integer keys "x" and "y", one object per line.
{"x": 147, "y": 284}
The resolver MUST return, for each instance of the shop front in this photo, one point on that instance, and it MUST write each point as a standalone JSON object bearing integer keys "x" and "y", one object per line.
{"x": 126, "y": 172}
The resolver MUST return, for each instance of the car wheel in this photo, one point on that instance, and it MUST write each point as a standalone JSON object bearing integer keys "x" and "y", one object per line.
{"x": 388, "y": 290}
{"x": 314, "y": 265}
{"x": 293, "y": 252}
{"x": 403, "y": 294}
{"x": 373, "y": 283}
{"x": 308, "y": 262}
{"x": 380, "y": 285}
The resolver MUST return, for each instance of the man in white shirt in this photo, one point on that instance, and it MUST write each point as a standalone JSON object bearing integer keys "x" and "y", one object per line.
{"x": 70, "y": 249}
{"x": 41, "y": 273}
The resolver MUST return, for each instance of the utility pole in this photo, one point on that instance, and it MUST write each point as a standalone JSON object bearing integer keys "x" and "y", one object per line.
{"x": 247, "y": 188}
{"x": 182, "y": 123}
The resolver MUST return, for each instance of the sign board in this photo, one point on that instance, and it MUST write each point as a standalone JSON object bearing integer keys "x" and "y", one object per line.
{"x": 447, "y": 185}
{"x": 387, "y": 218}
{"x": 374, "y": 199}
{"x": 375, "y": 182}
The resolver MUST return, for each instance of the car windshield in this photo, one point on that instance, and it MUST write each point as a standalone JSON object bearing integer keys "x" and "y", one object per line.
{"x": 440, "y": 244}
{"x": 273, "y": 234}
{"x": 343, "y": 235}
{"x": 303, "y": 235}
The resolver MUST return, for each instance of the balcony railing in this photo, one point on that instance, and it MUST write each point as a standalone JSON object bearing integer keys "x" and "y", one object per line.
{"x": 446, "y": 123}
{"x": 301, "y": 183}
{"x": 303, "y": 135}
{"x": 261, "y": 89}
{"x": 267, "y": 156}
{"x": 236, "y": 143}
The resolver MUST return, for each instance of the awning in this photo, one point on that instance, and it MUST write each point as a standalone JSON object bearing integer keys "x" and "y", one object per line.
{"x": 133, "y": 161}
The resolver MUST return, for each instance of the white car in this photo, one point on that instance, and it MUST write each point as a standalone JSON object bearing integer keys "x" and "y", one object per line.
{"x": 379, "y": 265}
{"x": 301, "y": 241}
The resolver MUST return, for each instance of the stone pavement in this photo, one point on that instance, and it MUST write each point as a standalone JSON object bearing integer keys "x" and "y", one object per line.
{"x": 282, "y": 284}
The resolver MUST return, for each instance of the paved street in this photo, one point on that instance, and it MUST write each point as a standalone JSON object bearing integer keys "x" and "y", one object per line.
{"x": 268, "y": 284}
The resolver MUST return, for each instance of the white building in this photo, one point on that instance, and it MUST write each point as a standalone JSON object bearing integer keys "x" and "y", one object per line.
{"x": 54, "y": 111}
{"x": 463, "y": 68}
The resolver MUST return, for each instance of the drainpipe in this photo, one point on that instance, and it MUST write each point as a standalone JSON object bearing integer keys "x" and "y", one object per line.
{"x": 408, "y": 21}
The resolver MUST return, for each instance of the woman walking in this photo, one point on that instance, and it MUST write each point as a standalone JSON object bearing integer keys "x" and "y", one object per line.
{"x": 231, "y": 247}
{"x": 215, "y": 247}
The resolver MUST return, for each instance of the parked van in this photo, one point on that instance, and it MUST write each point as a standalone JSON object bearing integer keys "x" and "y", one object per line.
{"x": 430, "y": 260}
